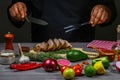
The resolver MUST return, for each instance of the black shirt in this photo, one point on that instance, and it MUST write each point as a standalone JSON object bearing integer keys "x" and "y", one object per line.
{"x": 62, "y": 13}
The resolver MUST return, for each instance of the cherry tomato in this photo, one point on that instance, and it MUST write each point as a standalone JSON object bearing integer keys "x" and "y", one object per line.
{"x": 119, "y": 57}
{"x": 78, "y": 69}
{"x": 62, "y": 68}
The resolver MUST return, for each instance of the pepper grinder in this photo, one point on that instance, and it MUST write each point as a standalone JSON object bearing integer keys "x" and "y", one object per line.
{"x": 9, "y": 39}
{"x": 7, "y": 56}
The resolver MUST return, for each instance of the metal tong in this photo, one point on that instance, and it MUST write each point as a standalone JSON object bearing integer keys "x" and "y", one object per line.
{"x": 30, "y": 19}
{"x": 74, "y": 27}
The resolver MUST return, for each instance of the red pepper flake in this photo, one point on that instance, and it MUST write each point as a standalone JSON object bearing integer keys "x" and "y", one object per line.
{"x": 85, "y": 62}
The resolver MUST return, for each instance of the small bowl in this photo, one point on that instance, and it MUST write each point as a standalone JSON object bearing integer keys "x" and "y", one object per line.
{"x": 7, "y": 57}
{"x": 110, "y": 57}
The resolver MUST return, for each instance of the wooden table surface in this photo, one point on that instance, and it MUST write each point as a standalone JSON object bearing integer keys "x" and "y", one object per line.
{"x": 41, "y": 74}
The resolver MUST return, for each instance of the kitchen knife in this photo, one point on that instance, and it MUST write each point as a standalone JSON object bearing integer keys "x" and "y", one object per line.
{"x": 36, "y": 21}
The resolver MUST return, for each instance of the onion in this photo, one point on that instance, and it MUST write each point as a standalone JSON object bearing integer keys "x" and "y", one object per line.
{"x": 63, "y": 62}
{"x": 50, "y": 65}
{"x": 117, "y": 65}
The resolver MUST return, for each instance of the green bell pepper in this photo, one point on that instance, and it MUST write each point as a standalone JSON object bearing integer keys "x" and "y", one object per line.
{"x": 105, "y": 61}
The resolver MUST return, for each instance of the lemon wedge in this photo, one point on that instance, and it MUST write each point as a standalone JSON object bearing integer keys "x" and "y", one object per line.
{"x": 98, "y": 66}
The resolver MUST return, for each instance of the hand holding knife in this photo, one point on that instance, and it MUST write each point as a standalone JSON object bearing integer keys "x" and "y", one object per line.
{"x": 18, "y": 12}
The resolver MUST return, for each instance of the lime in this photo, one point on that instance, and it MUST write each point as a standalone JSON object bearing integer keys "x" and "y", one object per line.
{"x": 89, "y": 71}
{"x": 68, "y": 73}
{"x": 99, "y": 67}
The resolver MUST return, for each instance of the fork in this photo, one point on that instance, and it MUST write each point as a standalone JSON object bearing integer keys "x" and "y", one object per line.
{"x": 74, "y": 27}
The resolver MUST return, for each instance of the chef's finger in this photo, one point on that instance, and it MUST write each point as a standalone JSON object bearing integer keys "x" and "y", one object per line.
{"x": 104, "y": 17}
{"x": 21, "y": 11}
{"x": 93, "y": 15}
{"x": 100, "y": 22}
{"x": 14, "y": 12}
{"x": 98, "y": 16}
{"x": 25, "y": 13}
{"x": 17, "y": 12}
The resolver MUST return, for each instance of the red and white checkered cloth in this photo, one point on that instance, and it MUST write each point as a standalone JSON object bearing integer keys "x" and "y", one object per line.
{"x": 102, "y": 44}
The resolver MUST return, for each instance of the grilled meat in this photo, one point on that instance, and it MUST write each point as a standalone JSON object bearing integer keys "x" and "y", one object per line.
{"x": 52, "y": 44}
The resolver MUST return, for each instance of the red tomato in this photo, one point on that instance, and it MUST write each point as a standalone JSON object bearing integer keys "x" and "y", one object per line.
{"x": 62, "y": 68}
{"x": 119, "y": 57}
{"x": 78, "y": 69}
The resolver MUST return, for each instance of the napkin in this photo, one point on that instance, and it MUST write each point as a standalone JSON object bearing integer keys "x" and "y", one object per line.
{"x": 102, "y": 44}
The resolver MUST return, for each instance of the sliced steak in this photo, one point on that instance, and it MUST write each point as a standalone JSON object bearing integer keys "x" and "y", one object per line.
{"x": 51, "y": 45}
{"x": 57, "y": 43}
{"x": 43, "y": 46}
{"x": 37, "y": 47}
{"x": 63, "y": 43}
{"x": 68, "y": 45}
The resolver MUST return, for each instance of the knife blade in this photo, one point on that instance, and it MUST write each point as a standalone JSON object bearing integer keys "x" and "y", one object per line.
{"x": 30, "y": 19}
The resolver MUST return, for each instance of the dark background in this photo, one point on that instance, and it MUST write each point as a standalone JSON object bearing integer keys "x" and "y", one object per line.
{"x": 23, "y": 34}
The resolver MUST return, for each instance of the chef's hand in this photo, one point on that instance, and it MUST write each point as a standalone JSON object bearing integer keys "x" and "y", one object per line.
{"x": 100, "y": 14}
{"x": 18, "y": 11}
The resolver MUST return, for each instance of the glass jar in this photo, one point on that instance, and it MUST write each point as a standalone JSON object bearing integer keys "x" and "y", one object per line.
{"x": 117, "y": 47}
{"x": 118, "y": 36}
{"x": 7, "y": 57}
